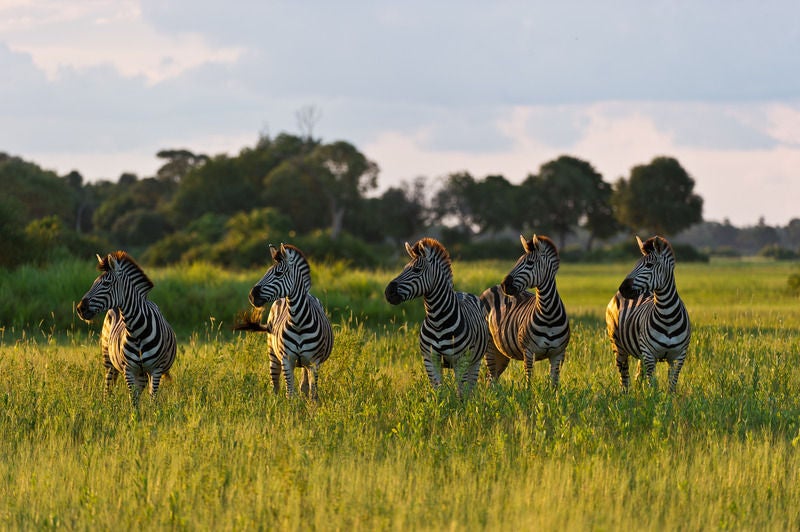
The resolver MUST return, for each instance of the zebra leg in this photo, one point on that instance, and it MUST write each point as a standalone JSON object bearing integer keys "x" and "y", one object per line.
{"x": 111, "y": 378}
{"x": 432, "y": 369}
{"x": 528, "y": 367}
{"x": 496, "y": 361}
{"x": 648, "y": 362}
{"x": 155, "y": 380}
{"x": 275, "y": 371}
{"x": 469, "y": 374}
{"x": 312, "y": 373}
{"x": 622, "y": 366}
{"x": 304, "y": 381}
{"x": 134, "y": 386}
{"x": 675, "y": 365}
{"x": 288, "y": 374}
{"x": 555, "y": 368}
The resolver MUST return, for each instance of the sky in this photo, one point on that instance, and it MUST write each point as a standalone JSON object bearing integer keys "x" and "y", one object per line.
{"x": 421, "y": 88}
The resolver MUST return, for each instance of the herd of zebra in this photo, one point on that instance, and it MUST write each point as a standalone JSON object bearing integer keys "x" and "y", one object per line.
{"x": 645, "y": 319}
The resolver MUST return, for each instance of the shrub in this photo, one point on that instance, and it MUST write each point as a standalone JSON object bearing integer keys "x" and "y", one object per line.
{"x": 774, "y": 251}
{"x": 794, "y": 283}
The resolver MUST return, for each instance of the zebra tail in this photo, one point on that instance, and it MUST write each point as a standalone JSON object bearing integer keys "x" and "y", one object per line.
{"x": 252, "y": 326}
{"x": 247, "y": 321}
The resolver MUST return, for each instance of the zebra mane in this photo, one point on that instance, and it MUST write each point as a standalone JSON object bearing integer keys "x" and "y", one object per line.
{"x": 547, "y": 241}
{"x": 123, "y": 258}
{"x": 296, "y": 249}
{"x": 657, "y": 244}
{"x": 435, "y": 247}
{"x": 303, "y": 266}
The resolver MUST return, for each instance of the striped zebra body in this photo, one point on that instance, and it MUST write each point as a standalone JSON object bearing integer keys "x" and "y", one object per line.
{"x": 646, "y": 318}
{"x": 454, "y": 333}
{"x": 526, "y": 326}
{"x": 136, "y": 340}
{"x": 300, "y": 334}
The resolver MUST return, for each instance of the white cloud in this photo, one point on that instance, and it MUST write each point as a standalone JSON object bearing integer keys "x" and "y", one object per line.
{"x": 81, "y": 35}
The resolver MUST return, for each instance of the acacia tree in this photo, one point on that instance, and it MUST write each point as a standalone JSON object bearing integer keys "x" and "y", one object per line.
{"x": 658, "y": 198}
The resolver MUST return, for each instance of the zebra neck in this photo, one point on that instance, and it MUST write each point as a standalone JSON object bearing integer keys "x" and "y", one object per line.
{"x": 440, "y": 302}
{"x": 297, "y": 300}
{"x": 547, "y": 299}
{"x": 666, "y": 299}
{"x": 136, "y": 315}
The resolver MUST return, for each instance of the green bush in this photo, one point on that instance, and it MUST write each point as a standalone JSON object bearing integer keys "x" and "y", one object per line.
{"x": 774, "y": 251}
{"x": 794, "y": 283}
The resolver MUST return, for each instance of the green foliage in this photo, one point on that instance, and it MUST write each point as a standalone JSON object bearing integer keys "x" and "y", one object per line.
{"x": 12, "y": 233}
{"x": 794, "y": 283}
{"x": 38, "y": 193}
{"x": 774, "y": 251}
{"x": 658, "y": 198}
{"x": 568, "y": 191}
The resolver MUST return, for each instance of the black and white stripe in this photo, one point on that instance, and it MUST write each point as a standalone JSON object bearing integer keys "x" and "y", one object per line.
{"x": 300, "y": 333}
{"x": 646, "y": 319}
{"x": 136, "y": 339}
{"x": 523, "y": 325}
{"x": 454, "y": 333}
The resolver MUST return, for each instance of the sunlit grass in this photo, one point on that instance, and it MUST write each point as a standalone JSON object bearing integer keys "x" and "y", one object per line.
{"x": 382, "y": 450}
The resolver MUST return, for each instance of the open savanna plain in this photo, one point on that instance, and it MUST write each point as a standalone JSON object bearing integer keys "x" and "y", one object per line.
{"x": 381, "y": 449}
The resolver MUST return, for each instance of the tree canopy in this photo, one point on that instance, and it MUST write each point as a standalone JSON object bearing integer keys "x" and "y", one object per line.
{"x": 658, "y": 198}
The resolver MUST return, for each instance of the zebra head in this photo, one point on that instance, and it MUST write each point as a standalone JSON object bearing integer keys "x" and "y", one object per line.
{"x": 121, "y": 280}
{"x": 429, "y": 268}
{"x": 536, "y": 266}
{"x": 289, "y": 275}
{"x": 653, "y": 271}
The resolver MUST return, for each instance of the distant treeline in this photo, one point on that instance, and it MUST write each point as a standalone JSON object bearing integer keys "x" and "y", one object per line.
{"x": 323, "y": 197}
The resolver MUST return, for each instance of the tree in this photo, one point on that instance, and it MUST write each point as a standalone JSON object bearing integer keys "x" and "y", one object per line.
{"x": 291, "y": 190}
{"x": 218, "y": 186}
{"x": 342, "y": 175}
{"x": 397, "y": 215}
{"x": 493, "y": 206}
{"x": 658, "y": 198}
{"x": 178, "y": 164}
{"x": 566, "y": 194}
{"x": 455, "y": 201}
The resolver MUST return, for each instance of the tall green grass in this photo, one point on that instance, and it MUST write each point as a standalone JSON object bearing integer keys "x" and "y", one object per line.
{"x": 381, "y": 450}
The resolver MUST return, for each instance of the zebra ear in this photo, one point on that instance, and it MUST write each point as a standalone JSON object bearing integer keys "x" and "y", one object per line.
{"x": 524, "y": 243}
{"x": 99, "y": 258}
{"x": 112, "y": 263}
{"x": 288, "y": 256}
{"x": 535, "y": 241}
{"x": 410, "y": 251}
{"x": 641, "y": 245}
{"x": 273, "y": 252}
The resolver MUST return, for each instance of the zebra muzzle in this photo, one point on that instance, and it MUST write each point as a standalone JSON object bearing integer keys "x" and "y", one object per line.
{"x": 83, "y": 310}
{"x": 508, "y": 286}
{"x": 392, "y": 295}
{"x": 628, "y": 289}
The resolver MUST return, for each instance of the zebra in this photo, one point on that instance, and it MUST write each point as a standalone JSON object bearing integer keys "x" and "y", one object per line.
{"x": 136, "y": 339}
{"x": 454, "y": 333}
{"x": 526, "y": 326}
{"x": 646, "y": 318}
{"x": 299, "y": 332}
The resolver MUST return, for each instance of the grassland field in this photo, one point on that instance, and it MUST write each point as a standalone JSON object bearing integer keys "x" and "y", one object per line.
{"x": 381, "y": 450}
